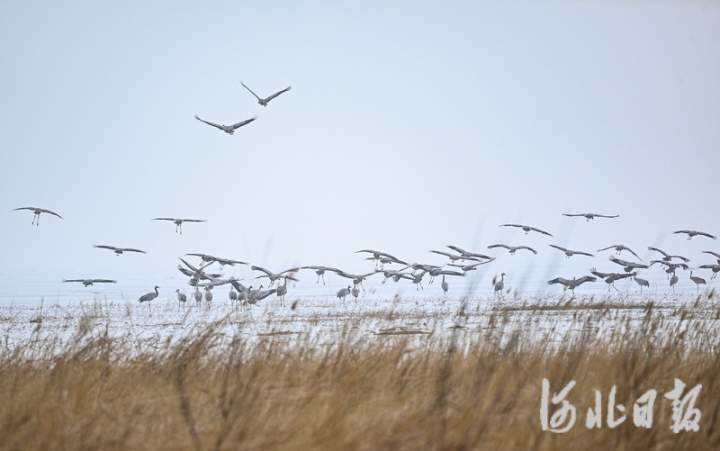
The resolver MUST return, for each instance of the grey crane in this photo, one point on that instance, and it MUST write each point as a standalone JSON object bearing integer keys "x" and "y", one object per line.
{"x": 512, "y": 249}
{"x": 233, "y": 295}
{"x": 197, "y": 295}
{"x": 670, "y": 267}
{"x": 266, "y": 100}
{"x": 667, "y": 257}
{"x": 642, "y": 283}
{"x": 454, "y": 257}
{"x": 614, "y": 277}
{"x": 222, "y": 261}
{"x": 600, "y": 275}
{"x": 343, "y": 293}
{"x": 197, "y": 273}
{"x": 674, "y": 279}
{"x": 355, "y": 292}
{"x": 471, "y": 255}
{"x": 589, "y": 216}
{"x": 149, "y": 296}
{"x": 444, "y": 285}
{"x": 208, "y": 294}
{"x": 619, "y": 248}
{"x": 254, "y": 296}
{"x": 320, "y": 271}
{"x": 698, "y": 281}
{"x": 472, "y": 266}
{"x": 181, "y": 297}
{"x": 527, "y": 229}
{"x": 569, "y": 252}
{"x": 693, "y": 233}
{"x": 229, "y": 129}
{"x": 282, "y": 291}
{"x": 378, "y": 256}
{"x": 179, "y": 222}
{"x": 357, "y": 279}
{"x": 119, "y": 250}
{"x": 274, "y": 277}
{"x": 629, "y": 266}
{"x": 498, "y": 284}
{"x": 571, "y": 284}
{"x": 89, "y": 282}
{"x": 37, "y": 212}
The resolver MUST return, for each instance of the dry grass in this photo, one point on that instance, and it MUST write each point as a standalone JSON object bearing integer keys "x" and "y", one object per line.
{"x": 210, "y": 391}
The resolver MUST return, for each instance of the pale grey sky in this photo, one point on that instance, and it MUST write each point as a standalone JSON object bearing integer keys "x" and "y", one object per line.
{"x": 410, "y": 125}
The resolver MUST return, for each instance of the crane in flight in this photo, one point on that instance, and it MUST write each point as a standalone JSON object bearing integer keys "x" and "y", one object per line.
{"x": 629, "y": 266}
{"x": 472, "y": 266}
{"x": 693, "y": 233}
{"x": 266, "y": 100}
{"x": 222, "y": 261}
{"x": 179, "y": 222}
{"x": 274, "y": 277}
{"x": 89, "y": 282}
{"x": 37, "y": 212}
{"x": 469, "y": 255}
{"x": 512, "y": 249}
{"x": 381, "y": 257}
{"x": 527, "y": 229}
{"x": 667, "y": 257}
{"x": 589, "y": 216}
{"x": 569, "y": 252}
{"x": 229, "y": 129}
{"x": 571, "y": 284}
{"x": 619, "y": 248}
{"x": 320, "y": 271}
{"x": 119, "y": 250}
{"x": 454, "y": 257}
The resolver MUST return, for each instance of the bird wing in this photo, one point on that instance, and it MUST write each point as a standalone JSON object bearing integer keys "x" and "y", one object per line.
{"x": 132, "y": 249}
{"x": 200, "y": 255}
{"x": 290, "y": 271}
{"x": 560, "y": 248}
{"x": 241, "y": 123}
{"x": 282, "y": 91}
{"x": 194, "y": 220}
{"x": 495, "y": 246}
{"x": 103, "y": 246}
{"x": 446, "y": 272}
{"x": 632, "y": 252}
{"x": 251, "y": 91}
{"x": 50, "y": 212}
{"x": 164, "y": 219}
{"x": 707, "y": 235}
{"x": 218, "y": 126}
{"x": 519, "y": 226}
{"x": 25, "y": 208}
{"x": 587, "y": 254}
{"x": 680, "y": 257}
{"x": 446, "y": 254}
{"x": 261, "y": 269}
{"x": 573, "y": 215}
{"x": 714, "y": 254}
{"x": 73, "y": 280}
{"x": 457, "y": 249}
{"x": 650, "y": 248}
{"x": 528, "y": 248}
{"x": 367, "y": 251}
{"x": 607, "y": 248}
{"x": 606, "y": 216}
{"x": 535, "y": 229}
{"x": 102, "y": 281}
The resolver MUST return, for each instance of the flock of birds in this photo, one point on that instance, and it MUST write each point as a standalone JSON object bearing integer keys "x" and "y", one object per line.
{"x": 459, "y": 263}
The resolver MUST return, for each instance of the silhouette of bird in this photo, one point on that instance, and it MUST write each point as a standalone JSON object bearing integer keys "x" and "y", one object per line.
{"x": 469, "y": 255}
{"x": 693, "y": 233}
{"x": 619, "y": 248}
{"x": 698, "y": 281}
{"x": 512, "y": 249}
{"x": 472, "y": 266}
{"x": 642, "y": 283}
{"x": 569, "y": 253}
{"x": 222, "y": 261}
{"x": 229, "y": 129}
{"x": 498, "y": 284}
{"x": 266, "y": 100}
{"x": 37, "y": 212}
{"x": 274, "y": 277}
{"x": 526, "y": 228}
{"x": 119, "y": 250}
{"x": 454, "y": 257}
{"x": 667, "y": 257}
{"x": 629, "y": 266}
{"x": 181, "y": 297}
{"x": 149, "y": 296}
{"x": 343, "y": 293}
{"x": 715, "y": 268}
{"x": 89, "y": 282}
{"x": 589, "y": 216}
{"x": 179, "y": 222}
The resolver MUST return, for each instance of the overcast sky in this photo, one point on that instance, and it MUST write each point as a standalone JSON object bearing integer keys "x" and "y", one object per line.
{"x": 409, "y": 126}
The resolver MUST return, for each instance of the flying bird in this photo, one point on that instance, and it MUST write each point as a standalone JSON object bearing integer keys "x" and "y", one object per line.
{"x": 454, "y": 257}
{"x": 89, "y": 282}
{"x": 274, "y": 277}
{"x": 526, "y": 228}
{"x": 569, "y": 252}
{"x": 467, "y": 254}
{"x": 512, "y": 249}
{"x": 229, "y": 129}
{"x": 667, "y": 257}
{"x": 267, "y": 99}
{"x": 472, "y": 266}
{"x": 693, "y": 233}
{"x": 629, "y": 266}
{"x": 222, "y": 261}
{"x": 619, "y": 248}
{"x": 589, "y": 216}
{"x": 37, "y": 212}
{"x": 119, "y": 250}
{"x": 179, "y": 222}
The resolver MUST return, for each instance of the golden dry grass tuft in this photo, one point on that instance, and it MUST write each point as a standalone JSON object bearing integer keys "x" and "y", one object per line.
{"x": 211, "y": 391}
